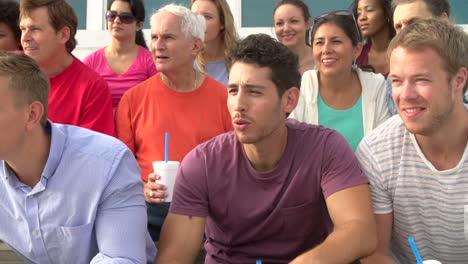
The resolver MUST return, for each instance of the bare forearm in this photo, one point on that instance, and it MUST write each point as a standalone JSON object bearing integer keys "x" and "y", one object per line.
{"x": 180, "y": 253}
{"x": 178, "y": 258}
{"x": 377, "y": 258}
{"x": 344, "y": 245}
{"x": 181, "y": 238}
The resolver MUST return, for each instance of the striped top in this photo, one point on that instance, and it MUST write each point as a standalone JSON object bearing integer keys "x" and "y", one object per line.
{"x": 428, "y": 204}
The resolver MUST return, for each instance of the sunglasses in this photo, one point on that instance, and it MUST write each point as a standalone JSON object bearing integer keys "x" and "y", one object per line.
{"x": 344, "y": 13}
{"x": 124, "y": 17}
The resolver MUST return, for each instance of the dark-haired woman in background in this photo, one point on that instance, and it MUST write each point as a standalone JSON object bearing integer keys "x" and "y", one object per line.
{"x": 337, "y": 94}
{"x": 376, "y": 23}
{"x": 10, "y": 33}
{"x": 127, "y": 61}
{"x": 292, "y": 22}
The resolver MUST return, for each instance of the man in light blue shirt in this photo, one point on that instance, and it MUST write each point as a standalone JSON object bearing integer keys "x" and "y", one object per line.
{"x": 67, "y": 194}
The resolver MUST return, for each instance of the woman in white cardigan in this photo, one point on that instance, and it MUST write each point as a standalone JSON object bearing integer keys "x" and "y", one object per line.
{"x": 338, "y": 94}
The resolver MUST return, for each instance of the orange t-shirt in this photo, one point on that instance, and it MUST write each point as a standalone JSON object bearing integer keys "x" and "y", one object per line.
{"x": 149, "y": 110}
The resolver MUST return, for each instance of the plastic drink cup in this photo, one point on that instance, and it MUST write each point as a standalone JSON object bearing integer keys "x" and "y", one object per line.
{"x": 431, "y": 261}
{"x": 167, "y": 171}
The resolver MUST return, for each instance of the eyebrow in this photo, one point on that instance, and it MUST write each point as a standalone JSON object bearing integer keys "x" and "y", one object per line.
{"x": 408, "y": 21}
{"x": 165, "y": 34}
{"x": 322, "y": 38}
{"x": 365, "y": 6}
{"x": 293, "y": 17}
{"x": 418, "y": 75}
{"x": 413, "y": 20}
{"x": 248, "y": 86}
{"x": 206, "y": 13}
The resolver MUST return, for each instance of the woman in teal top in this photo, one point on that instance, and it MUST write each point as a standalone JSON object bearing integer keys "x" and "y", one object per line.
{"x": 337, "y": 94}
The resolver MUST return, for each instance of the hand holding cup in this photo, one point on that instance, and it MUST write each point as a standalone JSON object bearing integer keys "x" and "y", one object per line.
{"x": 155, "y": 192}
{"x": 167, "y": 172}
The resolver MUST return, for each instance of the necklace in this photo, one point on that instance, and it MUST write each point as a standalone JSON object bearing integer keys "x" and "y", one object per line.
{"x": 171, "y": 85}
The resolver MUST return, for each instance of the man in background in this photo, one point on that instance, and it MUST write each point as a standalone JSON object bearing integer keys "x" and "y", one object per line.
{"x": 78, "y": 95}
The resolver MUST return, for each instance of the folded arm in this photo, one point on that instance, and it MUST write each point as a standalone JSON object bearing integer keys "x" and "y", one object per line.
{"x": 354, "y": 235}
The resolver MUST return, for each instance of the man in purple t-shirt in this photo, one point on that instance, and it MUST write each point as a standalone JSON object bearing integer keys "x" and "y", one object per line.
{"x": 274, "y": 189}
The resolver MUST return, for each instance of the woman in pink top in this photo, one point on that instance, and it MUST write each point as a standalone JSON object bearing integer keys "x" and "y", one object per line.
{"x": 127, "y": 61}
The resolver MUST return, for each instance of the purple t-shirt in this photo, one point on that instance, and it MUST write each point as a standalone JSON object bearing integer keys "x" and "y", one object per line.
{"x": 141, "y": 69}
{"x": 272, "y": 216}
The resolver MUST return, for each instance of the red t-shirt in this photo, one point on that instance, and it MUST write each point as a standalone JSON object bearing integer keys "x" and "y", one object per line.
{"x": 274, "y": 216}
{"x": 80, "y": 97}
{"x": 149, "y": 110}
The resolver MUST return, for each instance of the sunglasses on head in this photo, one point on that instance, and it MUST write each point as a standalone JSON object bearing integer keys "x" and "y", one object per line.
{"x": 124, "y": 17}
{"x": 345, "y": 13}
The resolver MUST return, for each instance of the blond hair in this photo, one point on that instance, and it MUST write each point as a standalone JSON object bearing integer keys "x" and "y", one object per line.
{"x": 448, "y": 40}
{"x": 27, "y": 81}
{"x": 229, "y": 33}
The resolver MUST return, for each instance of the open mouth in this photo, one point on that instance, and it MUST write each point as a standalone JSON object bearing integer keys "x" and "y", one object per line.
{"x": 240, "y": 124}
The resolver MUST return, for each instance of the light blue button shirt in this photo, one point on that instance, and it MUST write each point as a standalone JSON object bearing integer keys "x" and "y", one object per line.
{"x": 390, "y": 102}
{"x": 87, "y": 208}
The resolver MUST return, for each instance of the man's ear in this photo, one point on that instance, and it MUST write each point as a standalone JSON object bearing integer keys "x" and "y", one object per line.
{"x": 460, "y": 78}
{"x": 65, "y": 34}
{"x": 290, "y": 99}
{"x": 34, "y": 114}
{"x": 197, "y": 46}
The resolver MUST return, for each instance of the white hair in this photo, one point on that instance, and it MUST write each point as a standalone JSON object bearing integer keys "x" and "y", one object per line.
{"x": 192, "y": 25}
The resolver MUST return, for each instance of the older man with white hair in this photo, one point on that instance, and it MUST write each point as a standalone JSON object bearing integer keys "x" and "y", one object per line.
{"x": 180, "y": 100}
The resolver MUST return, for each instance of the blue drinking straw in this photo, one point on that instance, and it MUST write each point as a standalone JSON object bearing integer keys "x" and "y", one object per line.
{"x": 415, "y": 249}
{"x": 166, "y": 148}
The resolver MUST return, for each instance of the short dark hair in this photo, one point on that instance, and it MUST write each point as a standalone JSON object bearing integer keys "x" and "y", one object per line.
{"x": 265, "y": 51}
{"x": 61, "y": 15}
{"x": 27, "y": 81}
{"x": 138, "y": 11}
{"x": 436, "y": 7}
{"x": 387, "y": 10}
{"x": 297, "y": 3}
{"x": 9, "y": 14}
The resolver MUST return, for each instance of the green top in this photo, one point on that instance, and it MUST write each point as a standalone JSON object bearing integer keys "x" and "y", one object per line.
{"x": 348, "y": 122}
